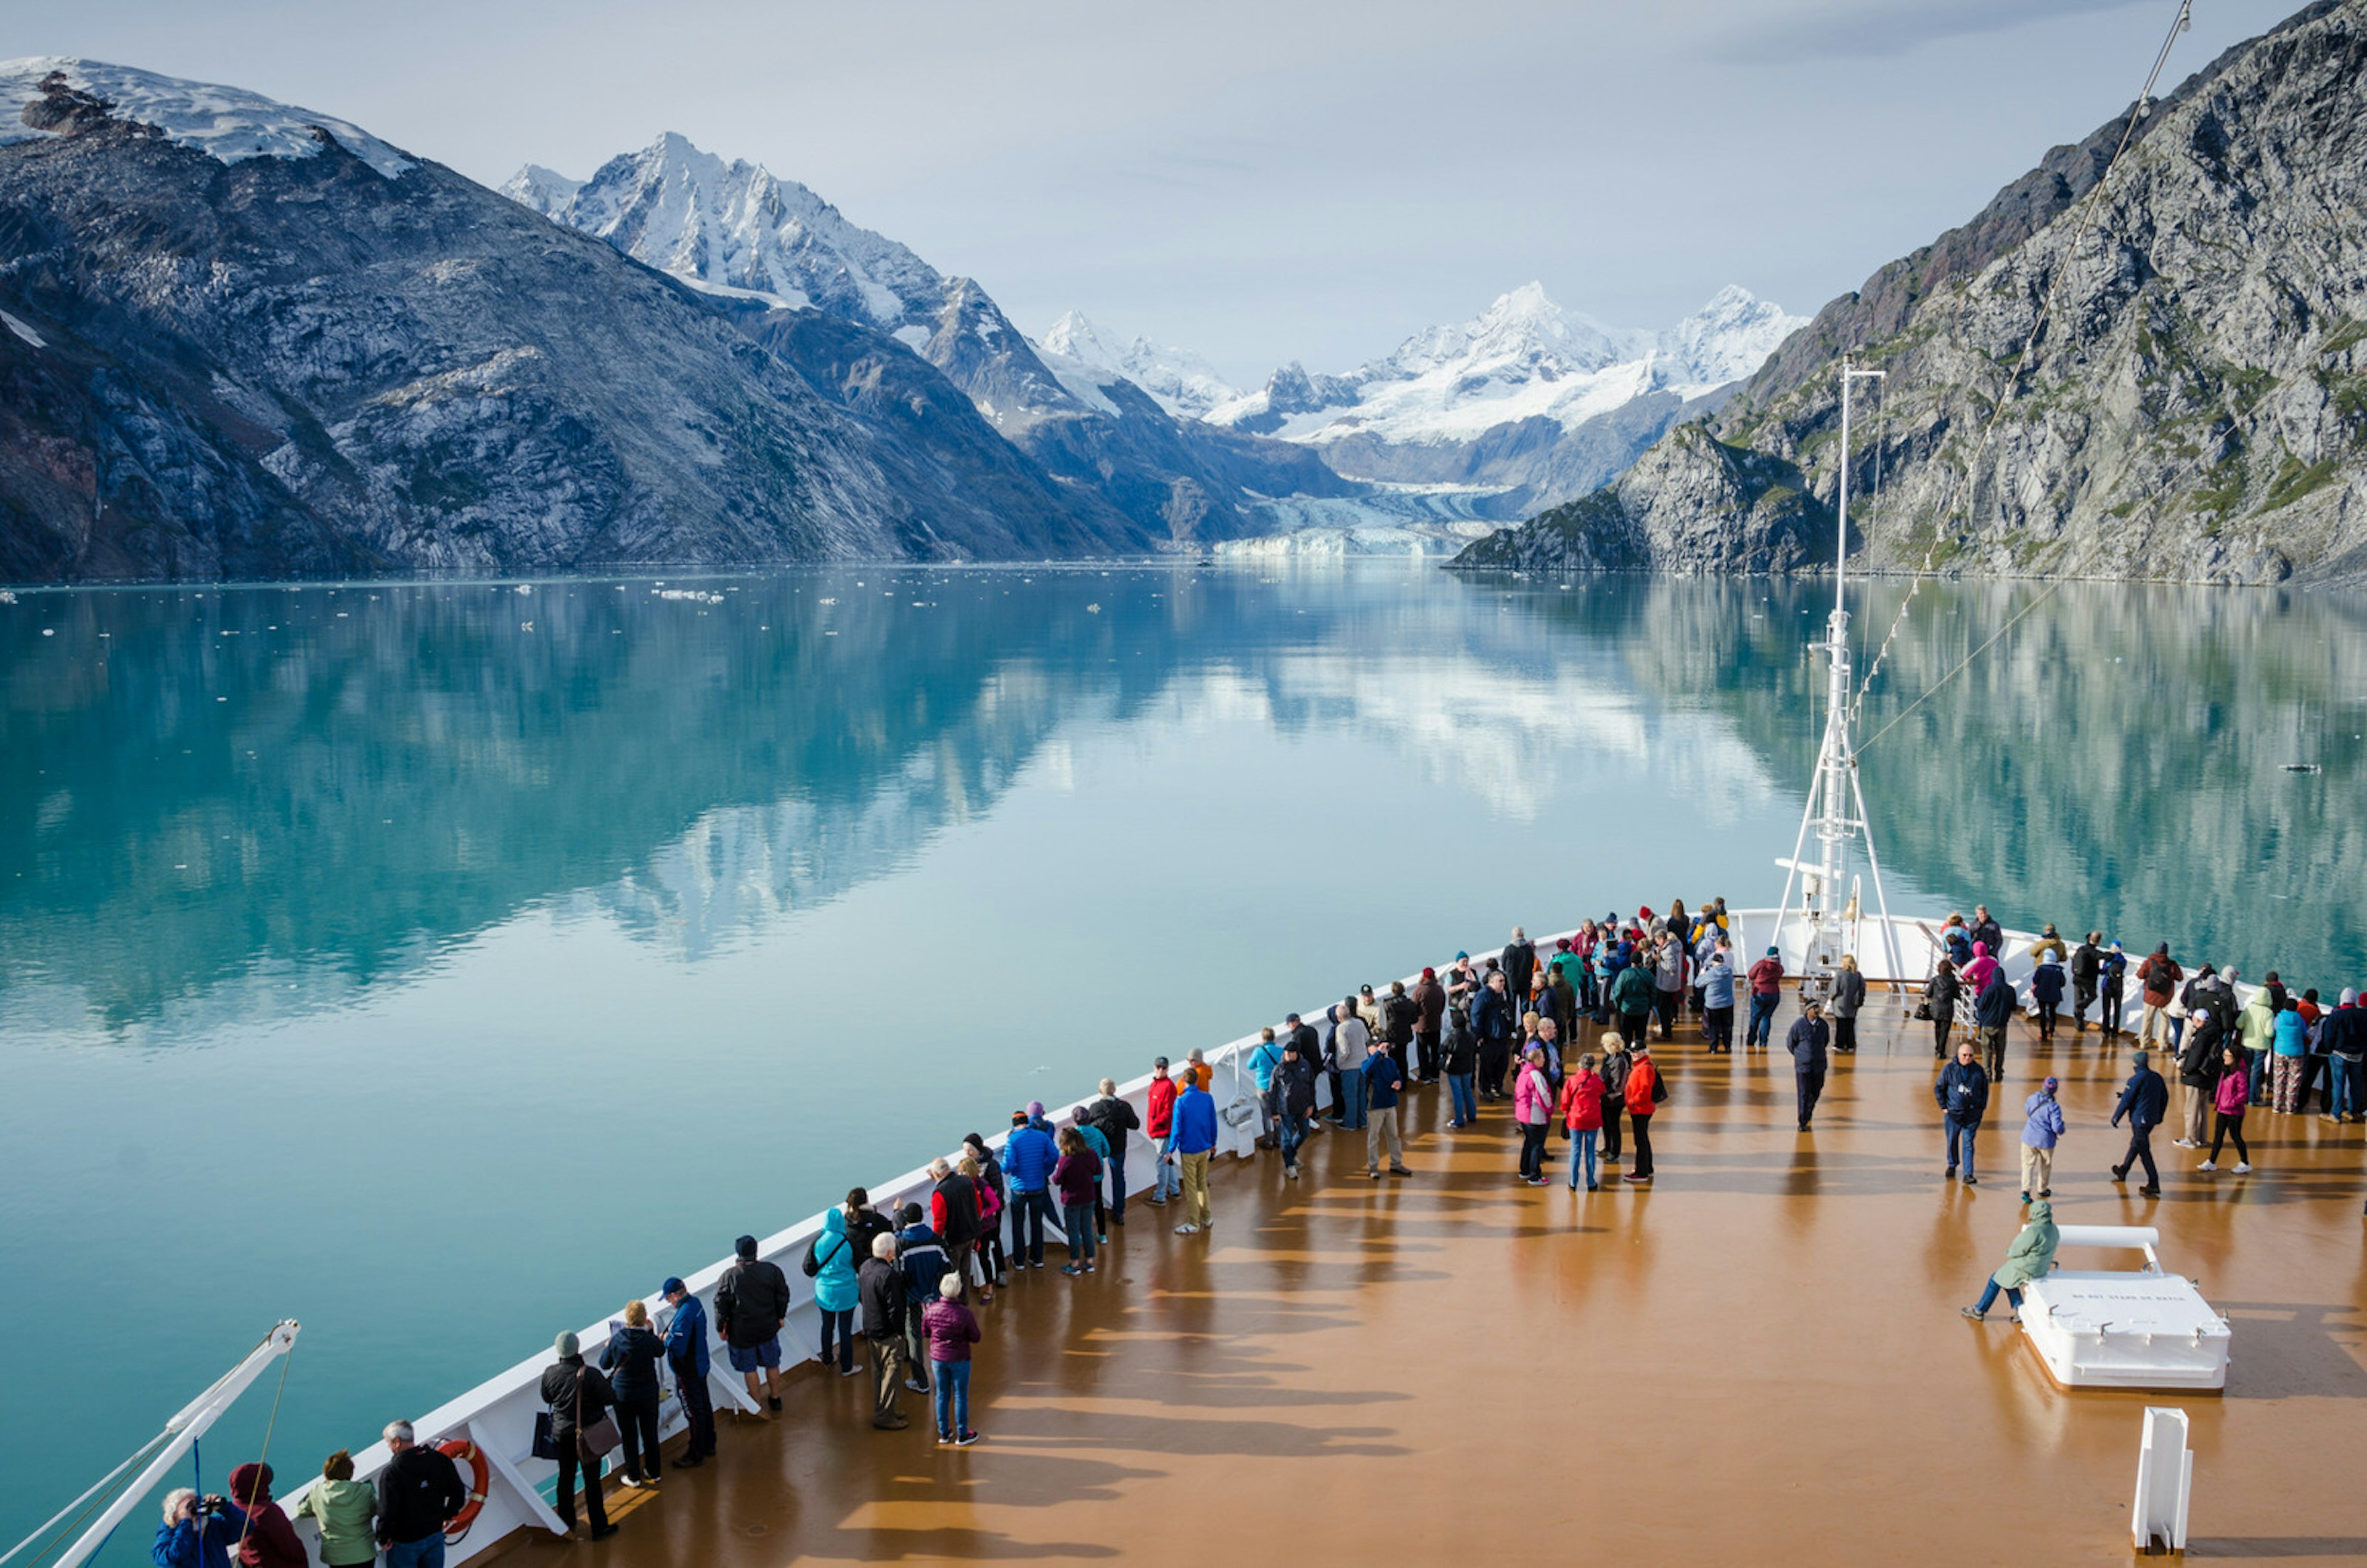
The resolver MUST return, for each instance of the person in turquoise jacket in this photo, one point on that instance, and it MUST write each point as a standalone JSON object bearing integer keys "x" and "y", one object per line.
{"x": 831, "y": 1262}
{"x": 2289, "y": 1050}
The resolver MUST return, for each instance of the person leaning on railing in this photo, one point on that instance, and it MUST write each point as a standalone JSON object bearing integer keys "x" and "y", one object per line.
{"x": 345, "y": 1511}
{"x": 632, "y": 1354}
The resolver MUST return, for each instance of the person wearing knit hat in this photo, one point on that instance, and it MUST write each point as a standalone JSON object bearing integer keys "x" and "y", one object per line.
{"x": 579, "y": 1397}
{"x": 2041, "y": 1124}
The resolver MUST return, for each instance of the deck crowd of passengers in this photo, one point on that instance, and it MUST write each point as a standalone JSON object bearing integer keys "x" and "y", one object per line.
{"x": 1496, "y": 1030}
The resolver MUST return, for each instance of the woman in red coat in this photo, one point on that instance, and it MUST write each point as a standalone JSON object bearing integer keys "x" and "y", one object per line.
{"x": 1644, "y": 1097}
{"x": 1582, "y": 1117}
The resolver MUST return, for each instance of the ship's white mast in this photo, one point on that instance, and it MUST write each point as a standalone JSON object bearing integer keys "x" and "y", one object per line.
{"x": 1835, "y": 810}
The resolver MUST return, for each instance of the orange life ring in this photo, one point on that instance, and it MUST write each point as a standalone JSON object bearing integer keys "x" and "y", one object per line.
{"x": 481, "y": 1475}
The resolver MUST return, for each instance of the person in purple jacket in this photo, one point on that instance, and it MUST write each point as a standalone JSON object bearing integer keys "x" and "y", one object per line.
{"x": 952, "y": 1329}
{"x": 1077, "y": 1179}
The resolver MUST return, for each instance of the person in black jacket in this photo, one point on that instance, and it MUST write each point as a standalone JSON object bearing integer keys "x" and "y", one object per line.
{"x": 1986, "y": 930}
{"x": 881, "y": 1284}
{"x": 1992, "y": 1011}
{"x": 1940, "y": 1002}
{"x": 990, "y": 1252}
{"x": 1399, "y": 1016}
{"x": 1462, "y": 1064}
{"x": 2087, "y": 966}
{"x": 2198, "y": 1071}
{"x": 1115, "y": 1117}
{"x": 752, "y": 1302}
{"x": 418, "y": 1493}
{"x": 1290, "y": 1098}
{"x": 1807, "y": 1042}
{"x": 2144, "y": 1100}
{"x": 632, "y": 1354}
{"x": 1963, "y": 1091}
{"x": 577, "y": 1394}
{"x": 1519, "y": 961}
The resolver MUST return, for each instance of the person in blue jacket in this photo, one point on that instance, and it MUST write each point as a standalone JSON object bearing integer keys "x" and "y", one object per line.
{"x": 687, "y": 1353}
{"x": 831, "y": 1263}
{"x": 2144, "y": 1100}
{"x": 2046, "y": 996}
{"x": 197, "y": 1532}
{"x": 1963, "y": 1091}
{"x": 1028, "y": 1156}
{"x": 1195, "y": 1140}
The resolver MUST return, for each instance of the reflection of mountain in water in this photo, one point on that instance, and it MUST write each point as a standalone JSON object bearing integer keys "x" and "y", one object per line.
{"x": 255, "y": 801}
{"x": 2116, "y": 758}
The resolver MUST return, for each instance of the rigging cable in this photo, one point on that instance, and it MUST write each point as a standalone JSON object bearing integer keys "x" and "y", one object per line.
{"x": 2138, "y": 112}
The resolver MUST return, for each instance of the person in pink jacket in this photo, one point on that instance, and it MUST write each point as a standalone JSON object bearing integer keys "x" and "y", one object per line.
{"x": 2232, "y": 1093}
{"x": 1533, "y": 1106}
{"x": 1978, "y": 970}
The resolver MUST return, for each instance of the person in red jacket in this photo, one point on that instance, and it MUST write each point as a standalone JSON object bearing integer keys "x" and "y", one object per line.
{"x": 1160, "y": 1128}
{"x": 1582, "y": 1117}
{"x": 1766, "y": 990}
{"x": 268, "y": 1540}
{"x": 1644, "y": 1097}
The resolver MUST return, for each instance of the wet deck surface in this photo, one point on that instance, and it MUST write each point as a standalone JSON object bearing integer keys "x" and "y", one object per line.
{"x": 1756, "y": 1358}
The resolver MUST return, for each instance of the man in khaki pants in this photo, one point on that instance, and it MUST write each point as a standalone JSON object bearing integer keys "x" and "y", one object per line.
{"x": 1194, "y": 1126}
{"x": 2041, "y": 1124}
{"x": 1384, "y": 1080}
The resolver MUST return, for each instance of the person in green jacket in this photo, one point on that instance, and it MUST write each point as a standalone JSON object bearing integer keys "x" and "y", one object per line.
{"x": 346, "y": 1511}
{"x": 2029, "y": 1257}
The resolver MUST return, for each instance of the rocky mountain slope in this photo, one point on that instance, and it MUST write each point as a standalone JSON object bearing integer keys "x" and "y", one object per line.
{"x": 245, "y": 339}
{"x": 1524, "y": 405}
{"x": 2194, "y": 407}
{"x": 739, "y": 233}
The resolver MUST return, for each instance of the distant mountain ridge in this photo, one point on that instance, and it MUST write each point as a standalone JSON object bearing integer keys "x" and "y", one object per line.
{"x": 245, "y": 339}
{"x": 2195, "y": 407}
{"x": 736, "y": 230}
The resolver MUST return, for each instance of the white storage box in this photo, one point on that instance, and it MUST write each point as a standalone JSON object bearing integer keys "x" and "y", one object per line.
{"x": 2141, "y": 1328}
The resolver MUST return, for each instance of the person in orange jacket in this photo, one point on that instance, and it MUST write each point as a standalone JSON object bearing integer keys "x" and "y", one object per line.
{"x": 1645, "y": 1093}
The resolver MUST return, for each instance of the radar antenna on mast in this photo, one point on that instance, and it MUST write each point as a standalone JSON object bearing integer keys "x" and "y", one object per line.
{"x": 1830, "y": 912}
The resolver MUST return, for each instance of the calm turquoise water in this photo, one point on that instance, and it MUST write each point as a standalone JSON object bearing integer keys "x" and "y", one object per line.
{"x": 441, "y": 964}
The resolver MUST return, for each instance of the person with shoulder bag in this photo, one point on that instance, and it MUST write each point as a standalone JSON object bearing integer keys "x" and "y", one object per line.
{"x": 581, "y": 1432}
{"x": 830, "y": 1263}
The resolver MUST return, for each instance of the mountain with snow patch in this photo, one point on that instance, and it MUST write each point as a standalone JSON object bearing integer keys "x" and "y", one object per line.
{"x": 1179, "y": 380}
{"x": 1524, "y": 405}
{"x": 775, "y": 253}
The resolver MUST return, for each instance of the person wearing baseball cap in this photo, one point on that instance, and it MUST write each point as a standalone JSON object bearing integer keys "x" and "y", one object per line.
{"x": 2042, "y": 1123}
{"x": 687, "y": 1353}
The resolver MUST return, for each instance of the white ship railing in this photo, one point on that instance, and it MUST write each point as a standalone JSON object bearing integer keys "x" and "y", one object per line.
{"x": 498, "y": 1414}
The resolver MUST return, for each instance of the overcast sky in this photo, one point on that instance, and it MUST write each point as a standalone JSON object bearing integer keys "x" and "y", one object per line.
{"x": 1286, "y": 179}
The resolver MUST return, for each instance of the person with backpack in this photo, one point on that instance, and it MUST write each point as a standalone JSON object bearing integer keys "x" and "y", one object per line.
{"x": 829, "y": 1263}
{"x": 631, "y": 1358}
{"x": 1645, "y": 1093}
{"x": 2144, "y": 1100}
{"x": 1581, "y": 1112}
{"x": 1992, "y": 1012}
{"x": 921, "y": 1260}
{"x": 1098, "y": 1211}
{"x": 1963, "y": 1092}
{"x": 752, "y": 1302}
{"x": 1806, "y": 1043}
{"x": 687, "y": 1353}
{"x": 1028, "y": 1156}
{"x": 1290, "y": 1101}
{"x": 2041, "y": 1127}
{"x": 1117, "y": 1119}
{"x": 885, "y": 1303}
{"x": 577, "y": 1395}
{"x": 1766, "y": 992}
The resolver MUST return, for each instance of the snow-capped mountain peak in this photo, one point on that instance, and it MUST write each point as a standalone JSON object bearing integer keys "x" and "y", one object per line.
{"x": 1726, "y": 340}
{"x": 737, "y": 228}
{"x": 1180, "y": 381}
{"x": 54, "y": 94}
{"x": 1524, "y": 327}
